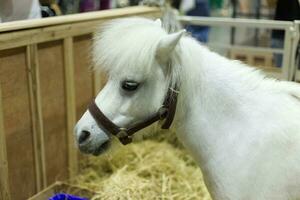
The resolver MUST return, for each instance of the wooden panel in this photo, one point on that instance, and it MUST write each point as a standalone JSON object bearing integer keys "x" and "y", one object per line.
{"x": 83, "y": 73}
{"x": 88, "y": 83}
{"x": 17, "y": 123}
{"x": 4, "y": 182}
{"x": 54, "y": 111}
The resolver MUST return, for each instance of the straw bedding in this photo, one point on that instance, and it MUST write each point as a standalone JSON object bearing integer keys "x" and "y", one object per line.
{"x": 150, "y": 169}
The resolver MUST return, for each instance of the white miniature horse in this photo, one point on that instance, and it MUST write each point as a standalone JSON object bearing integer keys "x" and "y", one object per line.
{"x": 242, "y": 128}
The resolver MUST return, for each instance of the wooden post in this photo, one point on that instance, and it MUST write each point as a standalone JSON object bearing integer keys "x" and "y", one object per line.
{"x": 4, "y": 181}
{"x": 287, "y": 47}
{"x": 70, "y": 105}
{"x": 36, "y": 113}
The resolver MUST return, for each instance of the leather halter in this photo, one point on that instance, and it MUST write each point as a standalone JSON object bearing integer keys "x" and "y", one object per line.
{"x": 166, "y": 113}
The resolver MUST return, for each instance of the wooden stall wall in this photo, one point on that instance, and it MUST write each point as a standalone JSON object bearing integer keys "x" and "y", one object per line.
{"x": 46, "y": 82}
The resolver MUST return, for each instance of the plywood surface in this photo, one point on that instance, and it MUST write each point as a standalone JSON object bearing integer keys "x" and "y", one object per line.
{"x": 83, "y": 73}
{"x": 4, "y": 182}
{"x": 17, "y": 123}
{"x": 54, "y": 110}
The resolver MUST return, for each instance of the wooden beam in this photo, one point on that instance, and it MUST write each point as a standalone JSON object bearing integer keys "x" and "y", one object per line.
{"x": 33, "y": 111}
{"x": 51, "y": 33}
{"x": 82, "y": 17}
{"x": 70, "y": 105}
{"x": 39, "y": 35}
{"x": 4, "y": 181}
{"x": 36, "y": 113}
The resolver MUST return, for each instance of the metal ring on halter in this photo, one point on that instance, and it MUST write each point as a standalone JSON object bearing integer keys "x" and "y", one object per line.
{"x": 162, "y": 112}
{"x": 122, "y": 133}
{"x": 123, "y": 136}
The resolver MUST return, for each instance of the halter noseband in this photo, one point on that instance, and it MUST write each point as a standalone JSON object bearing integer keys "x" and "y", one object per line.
{"x": 166, "y": 113}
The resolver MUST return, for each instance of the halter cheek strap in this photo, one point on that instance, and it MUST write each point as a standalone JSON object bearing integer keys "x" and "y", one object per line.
{"x": 166, "y": 113}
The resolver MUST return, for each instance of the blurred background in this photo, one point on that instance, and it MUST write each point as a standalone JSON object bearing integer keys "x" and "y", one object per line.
{"x": 231, "y": 41}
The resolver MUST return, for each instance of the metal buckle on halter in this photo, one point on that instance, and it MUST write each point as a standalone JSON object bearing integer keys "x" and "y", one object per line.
{"x": 122, "y": 133}
{"x": 162, "y": 111}
{"x": 123, "y": 136}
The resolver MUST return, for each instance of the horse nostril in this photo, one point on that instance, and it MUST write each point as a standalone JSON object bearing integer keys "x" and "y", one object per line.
{"x": 84, "y": 135}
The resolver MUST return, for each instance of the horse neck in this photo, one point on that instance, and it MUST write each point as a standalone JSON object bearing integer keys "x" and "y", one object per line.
{"x": 209, "y": 109}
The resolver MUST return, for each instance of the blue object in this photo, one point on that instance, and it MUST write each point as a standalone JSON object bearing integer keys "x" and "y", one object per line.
{"x": 201, "y": 9}
{"x": 63, "y": 196}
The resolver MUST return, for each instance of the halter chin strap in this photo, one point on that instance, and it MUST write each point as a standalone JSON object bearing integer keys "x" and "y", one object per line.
{"x": 166, "y": 113}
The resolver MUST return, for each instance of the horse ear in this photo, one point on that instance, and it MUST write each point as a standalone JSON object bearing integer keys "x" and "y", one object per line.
{"x": 167, "y": 44}
{"x": 158, "y": 22}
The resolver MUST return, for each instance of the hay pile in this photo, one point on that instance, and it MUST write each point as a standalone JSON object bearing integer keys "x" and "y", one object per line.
{"x": 145, "y": 170}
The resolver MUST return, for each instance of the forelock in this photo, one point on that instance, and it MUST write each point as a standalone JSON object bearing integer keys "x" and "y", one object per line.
{"x": 126, "y": 44}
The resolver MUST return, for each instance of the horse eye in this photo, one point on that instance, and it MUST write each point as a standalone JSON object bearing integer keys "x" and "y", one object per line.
{"x": 130, "y": 85}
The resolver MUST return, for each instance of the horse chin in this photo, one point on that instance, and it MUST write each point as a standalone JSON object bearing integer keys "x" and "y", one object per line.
{"x": 102, "y": 148}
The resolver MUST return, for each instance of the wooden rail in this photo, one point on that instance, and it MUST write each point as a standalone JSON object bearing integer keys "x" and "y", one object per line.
{"x": 291, "y": 40}
{"x": 23, "y": 33}
{"x": 75, "y": 18}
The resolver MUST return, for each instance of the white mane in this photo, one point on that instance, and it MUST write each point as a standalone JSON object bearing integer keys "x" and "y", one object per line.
{"x": 118, "y": 40}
